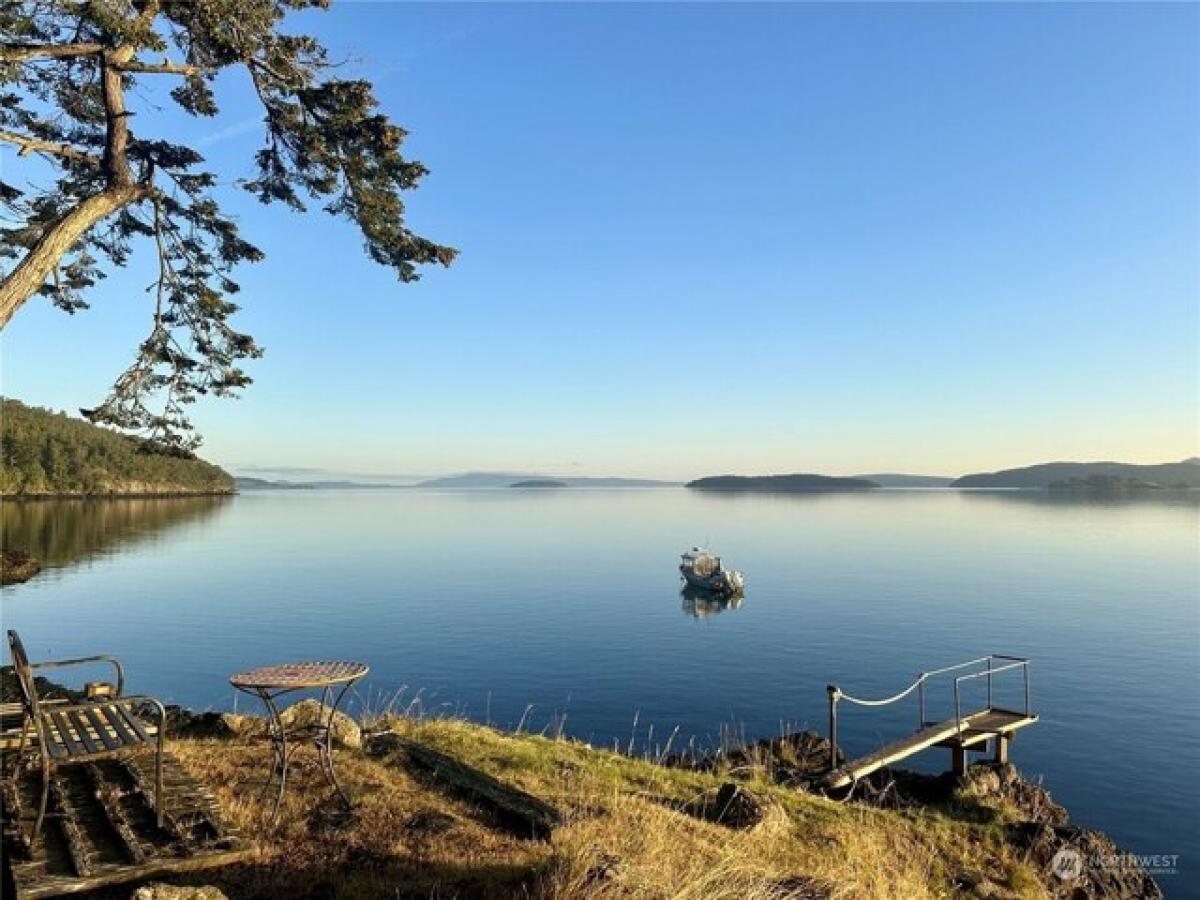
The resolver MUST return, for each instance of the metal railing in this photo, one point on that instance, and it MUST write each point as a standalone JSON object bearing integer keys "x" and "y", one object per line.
{"x": 1009, "y": 663}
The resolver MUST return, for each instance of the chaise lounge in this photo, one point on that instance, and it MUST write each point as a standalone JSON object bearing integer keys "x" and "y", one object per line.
{"x": 105, "y": 726}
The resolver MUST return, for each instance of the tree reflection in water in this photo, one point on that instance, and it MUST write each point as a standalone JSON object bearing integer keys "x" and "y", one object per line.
{"x": 63, "y": 532}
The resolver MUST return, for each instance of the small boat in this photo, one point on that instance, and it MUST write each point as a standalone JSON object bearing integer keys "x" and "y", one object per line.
{"x": 703, "y": 571}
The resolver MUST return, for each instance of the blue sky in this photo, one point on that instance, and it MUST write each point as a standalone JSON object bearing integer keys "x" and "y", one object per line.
{"x": 709, "y": 238}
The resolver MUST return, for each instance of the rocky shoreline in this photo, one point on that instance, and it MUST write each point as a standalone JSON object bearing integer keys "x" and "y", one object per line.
{"x": 1075, "y": 862}
{"x": 1003, "y": 819}
{"x": 131, "y": 494}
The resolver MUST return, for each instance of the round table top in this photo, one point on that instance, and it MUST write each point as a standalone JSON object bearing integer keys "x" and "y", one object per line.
{"x": 300, "y": 674}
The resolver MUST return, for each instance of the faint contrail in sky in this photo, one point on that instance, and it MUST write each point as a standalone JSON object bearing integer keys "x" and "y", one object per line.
{"x": 237, "y": 129}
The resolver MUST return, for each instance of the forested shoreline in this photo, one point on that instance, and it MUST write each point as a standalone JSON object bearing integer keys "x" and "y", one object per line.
{"x": 49, "y": 454}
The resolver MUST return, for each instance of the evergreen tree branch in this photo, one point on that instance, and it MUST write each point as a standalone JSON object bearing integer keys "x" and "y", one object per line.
{"x": 68, "y": 70}
{"x": 34, "y": 145}
{"x": 163, "y": 68}
{"x": 15, "y": 52}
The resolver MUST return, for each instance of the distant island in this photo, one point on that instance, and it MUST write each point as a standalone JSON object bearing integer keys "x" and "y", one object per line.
{"x": 49, "y": 454}
{"x": 781, "y": 484}
{"x": 1076, "y": 476}
{"x": 539, "y": 483}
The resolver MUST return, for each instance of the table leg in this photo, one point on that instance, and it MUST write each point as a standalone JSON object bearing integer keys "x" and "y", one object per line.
{"x": 325, "y": 747}
{"x": 279, "y": 749}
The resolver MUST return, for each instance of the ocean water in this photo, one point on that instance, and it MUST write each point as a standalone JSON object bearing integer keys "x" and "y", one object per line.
{"x": 561, "y": 609}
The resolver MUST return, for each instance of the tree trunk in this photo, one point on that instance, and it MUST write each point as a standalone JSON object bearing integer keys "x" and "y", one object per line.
{"x": 32, "y": 271}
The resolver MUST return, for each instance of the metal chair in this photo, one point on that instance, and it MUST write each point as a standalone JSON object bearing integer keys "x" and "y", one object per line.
{"x": 71, "y": 733}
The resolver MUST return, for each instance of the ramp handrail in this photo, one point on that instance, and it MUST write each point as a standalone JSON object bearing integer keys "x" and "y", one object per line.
{"x": 1015, "y": 663}
{"x": 1010, "y": 662}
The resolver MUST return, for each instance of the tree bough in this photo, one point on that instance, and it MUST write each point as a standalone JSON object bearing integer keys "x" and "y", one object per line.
{"x": 65, "y": 70}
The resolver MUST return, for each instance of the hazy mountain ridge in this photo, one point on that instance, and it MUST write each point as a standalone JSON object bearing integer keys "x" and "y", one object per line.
{"x": 506, "y": 479}
{"x": 247, "y": 483}
{"x": 1043, "y": 475}
{"x": 1035, "y": 477}
{"x": 267, "y": 484}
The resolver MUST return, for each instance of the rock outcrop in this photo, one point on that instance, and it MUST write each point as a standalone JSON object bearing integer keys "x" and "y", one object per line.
{"x": 731, "y": 805}
{"x": 17, "y": 566}
{"x": 158, "y": 891}
{"x": 797, "y": 758}
{"x": 186, "y": 723}
{"x": 309, "y": 713}
{"x": 1074, "y": 863}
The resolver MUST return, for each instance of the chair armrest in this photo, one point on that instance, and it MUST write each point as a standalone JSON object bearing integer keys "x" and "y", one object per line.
{"x": 83, "y": 661}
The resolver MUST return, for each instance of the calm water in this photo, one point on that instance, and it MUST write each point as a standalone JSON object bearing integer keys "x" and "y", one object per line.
{"x": 488, "y": 602}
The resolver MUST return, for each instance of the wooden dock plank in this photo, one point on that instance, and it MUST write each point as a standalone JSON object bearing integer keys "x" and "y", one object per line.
{"x": 110, "y": 801}
{"x": 976, "y": 728}
{"x": 145, "y": 787}
{"x": 114, "y": 839}
{"x": 68, "y": 822}
{"x": 59, "y": 886}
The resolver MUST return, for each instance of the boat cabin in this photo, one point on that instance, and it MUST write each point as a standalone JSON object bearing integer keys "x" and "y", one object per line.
{"x": 700, "y": 562}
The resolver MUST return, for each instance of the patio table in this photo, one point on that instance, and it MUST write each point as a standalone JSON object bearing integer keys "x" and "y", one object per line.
{"x": 269, "y": 683}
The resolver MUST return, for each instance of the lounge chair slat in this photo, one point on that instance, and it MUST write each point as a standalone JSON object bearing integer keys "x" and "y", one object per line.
{"x": 63, "y": 726}
{"x": 80, "y": 723}
{"x": 134, "y": 722}
{"x": 119, "y": 727}
{"x": 110, "y": 742}
{"x": 54, "y": 742}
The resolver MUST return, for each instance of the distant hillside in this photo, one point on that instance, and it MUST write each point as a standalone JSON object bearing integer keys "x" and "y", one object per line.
{"x": 246, "y": 483}
{"x": 896, "y": 480}
{"x": 506, "y": 479}
{"x": 539, "y": 483}
{"x": 783, "y": 484}
{"x": 1107, "y": 486}
{"x": 45, "y": 453}
{"x": 1041, "y": 477}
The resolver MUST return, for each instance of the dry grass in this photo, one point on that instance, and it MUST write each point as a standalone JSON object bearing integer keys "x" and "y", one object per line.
{"x": 623, "y": 837}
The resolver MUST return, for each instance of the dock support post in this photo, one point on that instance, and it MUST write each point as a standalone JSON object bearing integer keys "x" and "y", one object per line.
{"x": 834, "y": 693}
{"x": 1003, "y": 739}
{"x": 958, "y": 755}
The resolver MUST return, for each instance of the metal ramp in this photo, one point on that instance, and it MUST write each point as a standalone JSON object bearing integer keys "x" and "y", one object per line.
{"x": 962, "y": 733}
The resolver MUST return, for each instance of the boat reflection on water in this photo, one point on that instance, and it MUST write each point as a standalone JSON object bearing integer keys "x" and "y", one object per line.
{"x": 701, "y": 604}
